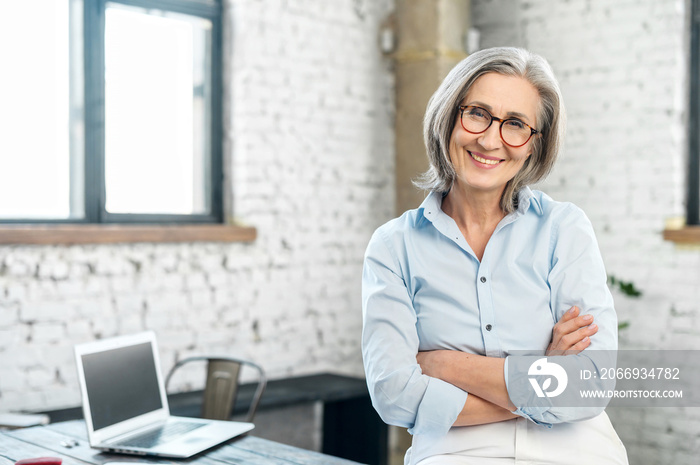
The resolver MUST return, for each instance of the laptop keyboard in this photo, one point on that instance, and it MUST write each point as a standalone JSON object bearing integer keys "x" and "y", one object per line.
{"x": 160, "y": 435}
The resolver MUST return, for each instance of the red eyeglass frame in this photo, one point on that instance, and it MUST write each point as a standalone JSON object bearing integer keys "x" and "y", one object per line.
{"x": 500, "y": 128}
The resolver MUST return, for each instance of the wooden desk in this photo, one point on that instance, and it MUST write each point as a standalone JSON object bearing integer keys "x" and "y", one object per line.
{"x": 42, "y": 441}
{"x": 351, "y": 427}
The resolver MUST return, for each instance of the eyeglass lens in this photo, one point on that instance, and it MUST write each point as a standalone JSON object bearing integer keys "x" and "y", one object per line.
{"x": 513, "y": 132}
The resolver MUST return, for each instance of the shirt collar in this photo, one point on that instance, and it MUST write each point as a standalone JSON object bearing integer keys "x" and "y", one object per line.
{"x": 527, "y": 199}
{"x": 432, "y": 205}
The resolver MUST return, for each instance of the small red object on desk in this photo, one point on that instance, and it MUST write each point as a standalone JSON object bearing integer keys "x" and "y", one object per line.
{"x": 40, "y": 461}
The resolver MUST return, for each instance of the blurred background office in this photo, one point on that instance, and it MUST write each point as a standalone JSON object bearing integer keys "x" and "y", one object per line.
{"x": 288, "y": 131}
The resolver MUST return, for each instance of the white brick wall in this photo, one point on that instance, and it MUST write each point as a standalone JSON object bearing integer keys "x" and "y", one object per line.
{"x": 309, "y": 144}
{"x": 622, "y": 67}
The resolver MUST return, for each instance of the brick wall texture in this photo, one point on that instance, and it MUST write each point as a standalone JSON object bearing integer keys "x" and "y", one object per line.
{"x": 309, "y": 143}
{"x": 622, "y": 67}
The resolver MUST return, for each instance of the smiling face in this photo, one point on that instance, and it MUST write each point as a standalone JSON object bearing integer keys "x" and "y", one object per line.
{"x": 483, "y": 162}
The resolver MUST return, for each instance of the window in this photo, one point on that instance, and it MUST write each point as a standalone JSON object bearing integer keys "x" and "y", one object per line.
{"x": 111, "y": 111}
{"x": 687, "y": 230}
{"x": 693, "y": 200}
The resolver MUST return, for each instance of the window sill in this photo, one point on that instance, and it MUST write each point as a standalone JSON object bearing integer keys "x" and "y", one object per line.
{"x": 684, "y": 235}
{"x": 72, "y": 234}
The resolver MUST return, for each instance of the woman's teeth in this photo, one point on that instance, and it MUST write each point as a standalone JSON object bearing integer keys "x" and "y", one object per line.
{"x": 484, "y": 160}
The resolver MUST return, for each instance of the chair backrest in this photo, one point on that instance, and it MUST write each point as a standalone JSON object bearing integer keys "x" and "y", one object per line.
{"x": 221, "y": 385}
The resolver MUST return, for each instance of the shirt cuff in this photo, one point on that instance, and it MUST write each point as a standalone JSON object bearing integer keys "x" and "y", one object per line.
{"x": 529, "y": 416}
{"x": 439, "y": 408}
{"x": 531, "y": 413}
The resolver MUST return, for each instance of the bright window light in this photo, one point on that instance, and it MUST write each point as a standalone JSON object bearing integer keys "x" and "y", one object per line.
{"x": 154, "y": 149}
{"x": 35, "y": 165}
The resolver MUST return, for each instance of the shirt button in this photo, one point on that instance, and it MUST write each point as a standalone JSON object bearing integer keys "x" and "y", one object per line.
{"x": 488, "y": 327}
{"x": 483, "y": 279}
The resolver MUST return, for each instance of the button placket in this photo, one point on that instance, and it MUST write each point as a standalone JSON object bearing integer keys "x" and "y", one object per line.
{"x": 491, "y": 343}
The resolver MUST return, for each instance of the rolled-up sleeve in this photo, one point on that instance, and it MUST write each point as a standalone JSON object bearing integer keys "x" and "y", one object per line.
{"x": 577, "y": 277}
{"x": 400, "y": 393}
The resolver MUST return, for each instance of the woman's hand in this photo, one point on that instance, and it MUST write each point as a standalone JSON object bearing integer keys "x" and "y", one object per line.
{"x": 572, "y": 334}
{"x": 438, "y": 363}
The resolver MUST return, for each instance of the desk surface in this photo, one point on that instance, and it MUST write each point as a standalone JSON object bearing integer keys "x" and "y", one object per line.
{"x": 47, "y": 440}
{"x": 323, "y": 387}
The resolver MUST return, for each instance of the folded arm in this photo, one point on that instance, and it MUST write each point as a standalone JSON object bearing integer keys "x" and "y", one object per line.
{"x": 483, "y": 377}
{"x": 478, "y": 411}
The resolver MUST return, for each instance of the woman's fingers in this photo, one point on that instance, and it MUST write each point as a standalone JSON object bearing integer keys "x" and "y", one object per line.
{"x": 571, "y": 339}
{"x": 567, "y": 323}
{"x": 572, "y": 333}
{"x": 560, "y": 328}
{"x": 579, "y": 346}
{"x": 570, "y": 314}
{"x": 571, "y": 325}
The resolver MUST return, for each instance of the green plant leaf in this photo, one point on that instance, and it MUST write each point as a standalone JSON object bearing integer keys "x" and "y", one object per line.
{"x": 626, "y": 287}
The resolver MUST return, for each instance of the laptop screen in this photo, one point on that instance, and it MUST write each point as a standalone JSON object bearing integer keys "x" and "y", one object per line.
{"x": 121, "y": 384}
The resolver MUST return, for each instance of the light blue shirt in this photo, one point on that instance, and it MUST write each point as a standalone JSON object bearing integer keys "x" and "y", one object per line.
{"x": 424, "y": 289}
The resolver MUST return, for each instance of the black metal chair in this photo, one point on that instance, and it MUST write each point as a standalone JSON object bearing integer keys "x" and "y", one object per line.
{"x": 222, "y": 384}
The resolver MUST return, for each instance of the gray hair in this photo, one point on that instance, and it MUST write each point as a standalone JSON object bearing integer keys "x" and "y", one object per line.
{"x": 442, "y": 112}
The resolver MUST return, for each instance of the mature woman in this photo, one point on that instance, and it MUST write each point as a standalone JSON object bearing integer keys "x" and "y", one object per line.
{"x": 485, "y": 267}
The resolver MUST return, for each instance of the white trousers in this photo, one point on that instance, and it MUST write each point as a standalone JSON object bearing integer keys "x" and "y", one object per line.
{"x": 521, "y": 442}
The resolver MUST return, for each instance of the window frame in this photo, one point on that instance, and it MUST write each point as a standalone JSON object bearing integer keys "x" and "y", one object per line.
{"x": 685, "y": 231}
{"x": 693, "y": 165}
{"x": 93, "y": 49}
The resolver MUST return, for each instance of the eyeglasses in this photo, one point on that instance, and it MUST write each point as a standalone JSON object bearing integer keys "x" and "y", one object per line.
{"x": 514, "y": 132}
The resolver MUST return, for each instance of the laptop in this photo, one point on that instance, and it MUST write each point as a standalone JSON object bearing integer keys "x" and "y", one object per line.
{"x": 126, "y": 408}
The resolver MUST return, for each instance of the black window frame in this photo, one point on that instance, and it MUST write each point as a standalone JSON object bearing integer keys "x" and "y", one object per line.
{"x": 94, "y": 118}
{"x": 693, "y": 174}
